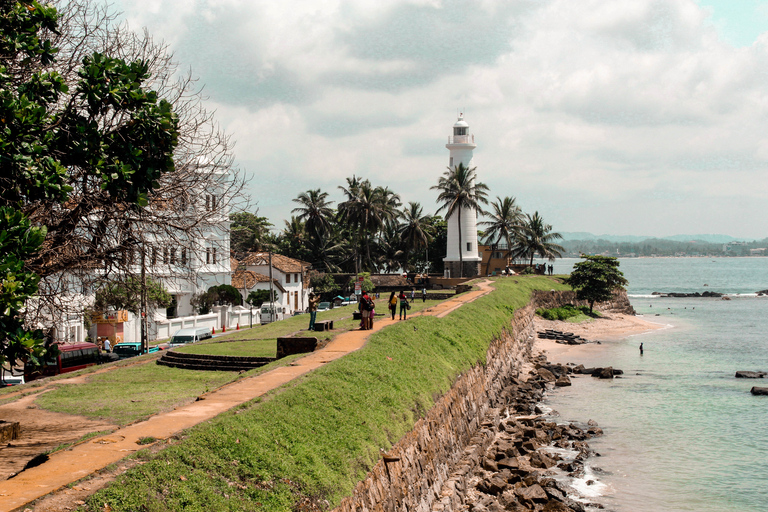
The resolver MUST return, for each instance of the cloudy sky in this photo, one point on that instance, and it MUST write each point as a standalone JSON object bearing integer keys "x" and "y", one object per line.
{"x": 645, "y": 117}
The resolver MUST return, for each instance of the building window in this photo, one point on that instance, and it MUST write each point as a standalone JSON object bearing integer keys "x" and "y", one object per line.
{"x": 459, "y": 130}
{"x": 210, "y": 202}
{"x": 173, "y": 256}
{"x": 450, "y": 164}
{"x": 295, "y": 278}
{"x": 469, "y": 246}
{"x": 165, "y": 255}
{"x": 184, "y": 256}
{"x": 153, "y": 259}
{"x": 207, "y": 255}
{"x": 213, "y": 256}
{"x": 287, "y": 278}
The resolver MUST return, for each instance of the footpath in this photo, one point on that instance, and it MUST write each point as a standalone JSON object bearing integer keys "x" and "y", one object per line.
{"x": 68, "y": 466}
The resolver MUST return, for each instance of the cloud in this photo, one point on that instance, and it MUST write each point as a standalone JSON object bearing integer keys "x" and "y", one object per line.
{"x": 613, "y": 116}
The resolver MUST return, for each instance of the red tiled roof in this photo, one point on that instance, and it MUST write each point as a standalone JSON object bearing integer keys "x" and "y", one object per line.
{"x": 280, "y": 262}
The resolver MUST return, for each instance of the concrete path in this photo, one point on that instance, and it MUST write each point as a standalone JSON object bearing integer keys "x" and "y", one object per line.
{"x": 67, "y": 466}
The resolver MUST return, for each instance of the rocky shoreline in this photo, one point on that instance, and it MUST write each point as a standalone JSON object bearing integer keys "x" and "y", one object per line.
{"x": 531, "y": 457}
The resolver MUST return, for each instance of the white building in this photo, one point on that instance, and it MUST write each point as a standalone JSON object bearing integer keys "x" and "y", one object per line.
{"x": 290, "y": 280}
{"x": 461, "y": 145}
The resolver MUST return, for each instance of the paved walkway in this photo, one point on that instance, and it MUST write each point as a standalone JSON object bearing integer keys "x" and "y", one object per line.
{"x": 67, "y": 466}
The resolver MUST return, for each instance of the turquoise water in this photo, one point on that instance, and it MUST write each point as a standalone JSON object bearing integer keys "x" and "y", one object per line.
{"x": 681, "y": 433}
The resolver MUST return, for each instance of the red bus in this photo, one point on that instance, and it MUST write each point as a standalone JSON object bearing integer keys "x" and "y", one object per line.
{"x": 72, "y": 357}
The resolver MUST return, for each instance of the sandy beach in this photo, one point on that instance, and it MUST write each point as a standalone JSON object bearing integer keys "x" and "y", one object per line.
{"x": 609, "y": 326}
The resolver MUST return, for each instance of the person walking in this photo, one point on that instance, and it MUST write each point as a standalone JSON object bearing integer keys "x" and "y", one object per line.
{"x": 403, "y": 306}
{"x": 314, "y": 300}
{"x": 392, "y": 304}
{"x": 366, "y": 306}
{"x": 424, "y": 294}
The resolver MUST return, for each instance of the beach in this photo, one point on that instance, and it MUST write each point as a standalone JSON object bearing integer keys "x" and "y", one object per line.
{"x": 610, "y": 326}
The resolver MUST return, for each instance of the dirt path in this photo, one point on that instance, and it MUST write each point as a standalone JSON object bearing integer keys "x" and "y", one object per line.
{"x": 65, "y": 467}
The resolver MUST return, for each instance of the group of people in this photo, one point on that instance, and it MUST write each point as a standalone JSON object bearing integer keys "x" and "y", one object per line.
{"x": 104, "y": 344}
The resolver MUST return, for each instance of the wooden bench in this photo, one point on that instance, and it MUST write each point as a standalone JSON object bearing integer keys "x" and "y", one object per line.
{"x": 324, "y": 325}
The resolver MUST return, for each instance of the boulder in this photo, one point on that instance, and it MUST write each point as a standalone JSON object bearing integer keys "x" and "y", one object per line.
{"x": 759, "y": 391}
{"x": 532, "y": 494}
{"x": 743, "y": 374}
{"x": 603, "y": 373}
{"x": 547, "y": 375}
{"x": 563, "y": 381}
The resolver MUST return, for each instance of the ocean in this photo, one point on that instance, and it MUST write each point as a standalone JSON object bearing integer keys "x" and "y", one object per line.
{"x": 680, "y": 431}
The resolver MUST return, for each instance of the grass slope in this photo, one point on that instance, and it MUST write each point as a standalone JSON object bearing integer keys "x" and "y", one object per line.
{"x": 317, "y": 436}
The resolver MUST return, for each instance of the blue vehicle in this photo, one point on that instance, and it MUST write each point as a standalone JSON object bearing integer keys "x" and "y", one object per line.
{"x": 128, "y": 349}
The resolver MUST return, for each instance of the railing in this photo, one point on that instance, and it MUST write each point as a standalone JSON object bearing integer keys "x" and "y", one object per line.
{"x": 461, "y": 139}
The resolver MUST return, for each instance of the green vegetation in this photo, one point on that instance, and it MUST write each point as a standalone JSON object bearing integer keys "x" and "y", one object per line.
{"x": 317, "y": 436}
{"x": 595, "y": 279}
{"x": 567, "y": 312}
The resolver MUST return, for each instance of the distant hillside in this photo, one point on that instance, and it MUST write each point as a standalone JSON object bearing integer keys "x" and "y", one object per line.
{"x": 681, "y": 245}
{"x": 713, "y": 239}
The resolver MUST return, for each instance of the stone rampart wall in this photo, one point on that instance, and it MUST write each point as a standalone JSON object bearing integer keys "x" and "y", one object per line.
{"x": 429, "y": 467}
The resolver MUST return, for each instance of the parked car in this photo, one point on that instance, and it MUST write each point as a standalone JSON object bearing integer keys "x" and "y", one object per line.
{"x": 271, "y": 312}
{"x": 12, "y": 380}
{"x": 324, "y": 306}
{"x": 186, "y": 336}
{"x": 127, "y": 349}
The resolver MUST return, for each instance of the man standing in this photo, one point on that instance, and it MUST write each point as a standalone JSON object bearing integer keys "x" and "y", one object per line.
{"x": 424, "y": 294}
{"x": 107, "y": 345}
{"x": 314, "y": 300}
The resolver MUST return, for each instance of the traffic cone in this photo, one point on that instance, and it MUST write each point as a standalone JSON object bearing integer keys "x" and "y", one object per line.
{"x": 223, "y": 328}
{"x": 238, "y": 326}
{"x": 213, "y": 330}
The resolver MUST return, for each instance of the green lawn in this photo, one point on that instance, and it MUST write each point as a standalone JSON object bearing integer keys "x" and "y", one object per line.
{"x": 317, "y": 436}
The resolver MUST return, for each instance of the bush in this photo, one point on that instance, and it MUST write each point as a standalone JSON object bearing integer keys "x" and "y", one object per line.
{"x": 562, "y": 313}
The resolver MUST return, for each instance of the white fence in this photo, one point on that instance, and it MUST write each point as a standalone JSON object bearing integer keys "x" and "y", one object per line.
{"x": 227, "y": 316}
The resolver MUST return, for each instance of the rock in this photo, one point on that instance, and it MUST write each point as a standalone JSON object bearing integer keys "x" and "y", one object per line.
{"x": 563, "y": 381}
{"x": 532, "y": 494}
{"x": 547, "y": 375}
{"x": 603, "y": 373}
{"x": 494, "y": 485}
{"x": 509, "y": 463}
{"x": 749, "y": 375}
{"x": 759, "y": 391}
{"x": 490, "y": 465}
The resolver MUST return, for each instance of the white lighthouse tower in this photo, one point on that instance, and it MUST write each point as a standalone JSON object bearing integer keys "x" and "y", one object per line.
{"x": 461, "y": 144}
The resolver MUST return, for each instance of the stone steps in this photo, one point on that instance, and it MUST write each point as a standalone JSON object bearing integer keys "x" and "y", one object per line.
{"x": 212, "y": 363}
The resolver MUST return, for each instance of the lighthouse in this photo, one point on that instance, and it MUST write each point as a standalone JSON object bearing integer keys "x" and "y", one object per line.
{"x": 461, "y": 145}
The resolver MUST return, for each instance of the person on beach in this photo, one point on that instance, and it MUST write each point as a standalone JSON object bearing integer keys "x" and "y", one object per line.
{"x": 314, "y": 300}
{"x": 403, "y": 306}
{"x": 641, "y": 349}
{"x": 393, "y": 304}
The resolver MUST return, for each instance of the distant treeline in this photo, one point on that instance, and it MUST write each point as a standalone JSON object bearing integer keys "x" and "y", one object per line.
{"x": 662, "y": 247}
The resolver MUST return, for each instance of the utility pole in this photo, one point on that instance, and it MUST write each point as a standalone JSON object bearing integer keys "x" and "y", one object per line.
{"x": 271, "y": 291}
{"x": 144, "y": 338}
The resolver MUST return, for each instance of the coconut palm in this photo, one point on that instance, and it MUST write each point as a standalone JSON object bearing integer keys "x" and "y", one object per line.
{"x": 316, "y": 212}
{"x": 506, "y": 222}
{"x": 458, "y": 191}
{"x": 537, "y": 237}
{"x": 366, "y": 210}
{"x": 415, "y": 232}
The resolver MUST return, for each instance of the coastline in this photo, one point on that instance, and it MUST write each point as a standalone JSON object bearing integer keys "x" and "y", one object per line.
{"x": 611, "y": 326}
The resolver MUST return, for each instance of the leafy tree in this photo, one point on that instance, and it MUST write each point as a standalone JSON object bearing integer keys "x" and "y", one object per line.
{"x": 458, "y": 191}
{"x": 221, "y": 294}
{"x": 595, "y": 279}
{"x": 80, "y": 153}
{"x": 506, "y": 223}
{"x": 126, "y": 294}
{"x": 436, "y": 247}
{"x": 249, "y": 232}
{"x": 323, "y": 283}
{"x": 537, "y": 237}
{"x": 258, "y": 297}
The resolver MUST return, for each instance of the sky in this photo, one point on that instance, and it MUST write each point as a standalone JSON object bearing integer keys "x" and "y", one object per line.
{"x": 643, "y": 117}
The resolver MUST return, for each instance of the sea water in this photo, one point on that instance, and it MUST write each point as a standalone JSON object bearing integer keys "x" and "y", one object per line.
{"x": 680, "y": 431}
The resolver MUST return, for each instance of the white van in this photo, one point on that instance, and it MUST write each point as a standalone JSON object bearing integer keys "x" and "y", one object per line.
{"x": 185, "y": 336}
{"x": 266, "y": 312}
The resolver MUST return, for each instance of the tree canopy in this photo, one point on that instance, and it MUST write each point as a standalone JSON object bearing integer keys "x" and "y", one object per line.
{"x": 595, "y": 279}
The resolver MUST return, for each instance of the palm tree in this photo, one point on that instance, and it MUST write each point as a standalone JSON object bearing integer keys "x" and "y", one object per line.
{"x": 391, "y": 255}
{"x": 507, "y": 220}
{"x": 415, "y": 232}
{"x": 366, "y": 210}
{"x": 458, "y": 191}
{"x": 316, "y": 212}
{"x": 537, "y": 237}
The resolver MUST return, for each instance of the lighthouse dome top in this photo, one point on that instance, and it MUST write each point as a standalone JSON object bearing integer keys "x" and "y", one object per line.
{"x": 461, "y": 123}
